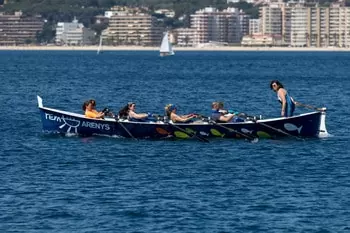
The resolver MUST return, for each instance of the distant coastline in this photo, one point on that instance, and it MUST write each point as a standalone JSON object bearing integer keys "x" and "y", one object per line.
{"x": 141, "y": 48}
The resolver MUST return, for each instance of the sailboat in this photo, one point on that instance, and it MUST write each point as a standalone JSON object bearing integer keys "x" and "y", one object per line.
{"x": 100, "y": 45}
{"x": 166, "y": 48}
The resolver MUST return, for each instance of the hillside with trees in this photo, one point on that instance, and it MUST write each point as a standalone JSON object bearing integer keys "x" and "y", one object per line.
{"x": 84, "y": 10}
{"x": 54, "y": 11}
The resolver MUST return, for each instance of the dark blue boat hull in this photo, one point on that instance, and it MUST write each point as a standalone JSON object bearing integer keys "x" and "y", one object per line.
{"x": 56, "y": 121}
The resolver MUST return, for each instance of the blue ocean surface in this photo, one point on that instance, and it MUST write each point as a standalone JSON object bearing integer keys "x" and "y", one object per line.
{"x": 100, "y": 184}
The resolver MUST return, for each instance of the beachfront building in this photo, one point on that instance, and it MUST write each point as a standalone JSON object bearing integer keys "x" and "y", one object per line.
{"x": 260, "y": 40}
{"x": 299, "y": 29}
{"x": 134, "y": 28}
{"x": 244, "y": 23}
{"x": 166, "y": 12}
{"x": 254, "y": 26}
{"x": 214, "y": 26}
{"x": 318, "y": 26}
{"x": 271, "y": 19}
{"x": 73, "y": 33}
{"x": 339, "y": 26}
{"x": 18, "y": 29}
{"x": 184, "y": 37}
{"x": 307, "y": 24}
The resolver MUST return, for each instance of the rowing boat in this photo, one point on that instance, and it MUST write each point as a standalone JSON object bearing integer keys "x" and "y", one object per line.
{"x": 311, "y": 124}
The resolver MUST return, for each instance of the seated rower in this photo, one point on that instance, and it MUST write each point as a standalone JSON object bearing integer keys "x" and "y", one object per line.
{"x": 128, "y": 112}
{"x": 90, "y": 111}
{"x": 170, "y": 111}
{"x": 223, "y": 116}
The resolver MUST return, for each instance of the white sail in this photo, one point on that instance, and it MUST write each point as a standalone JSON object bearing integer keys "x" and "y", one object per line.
{"x": 100, "y": 45}
{"x": 166, "y": 48}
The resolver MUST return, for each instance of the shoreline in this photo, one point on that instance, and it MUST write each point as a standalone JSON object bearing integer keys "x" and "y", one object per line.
{"x": 141, "y": 48}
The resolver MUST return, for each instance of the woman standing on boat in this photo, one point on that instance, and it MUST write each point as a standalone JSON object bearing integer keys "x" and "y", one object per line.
{"x": 170, "y": 110}
{"x": 288, "y": 104}
{"x": 129, "y": 113}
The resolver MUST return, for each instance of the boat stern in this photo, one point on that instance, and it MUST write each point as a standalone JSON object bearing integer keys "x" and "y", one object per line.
{"x": 322, "y": 131}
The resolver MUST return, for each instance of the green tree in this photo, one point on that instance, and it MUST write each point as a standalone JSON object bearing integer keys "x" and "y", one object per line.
{"x": 28, "y": 41}
{"x": 47, "y": 35}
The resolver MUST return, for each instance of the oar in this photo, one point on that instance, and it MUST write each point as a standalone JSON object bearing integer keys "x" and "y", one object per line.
{"x": 189, "y": 134}
{"x": 279, "y": 130}
{"x": 126, "y": 130}
{"x": 311, "y": 107}
{"x": 255, "y": 120}
{"x": 251, "y": 139}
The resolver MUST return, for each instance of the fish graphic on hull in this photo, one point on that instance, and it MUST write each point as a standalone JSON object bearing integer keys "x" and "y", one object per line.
{"x": 292, "y": 127}
{"x": 246, "y": 131}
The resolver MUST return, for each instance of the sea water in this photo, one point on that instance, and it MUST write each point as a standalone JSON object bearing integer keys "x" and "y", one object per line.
{"x": 98, "y": 184}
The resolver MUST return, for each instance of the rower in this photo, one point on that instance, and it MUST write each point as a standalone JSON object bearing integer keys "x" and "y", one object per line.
{"x": 90, "y": 111}
{"x": 220, "y": 115}
{"x": 170, "y": 111}
{"x": 128, "y": 112}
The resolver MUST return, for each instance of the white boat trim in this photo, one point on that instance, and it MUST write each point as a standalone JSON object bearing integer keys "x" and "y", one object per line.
{"x": 322, "y": 132}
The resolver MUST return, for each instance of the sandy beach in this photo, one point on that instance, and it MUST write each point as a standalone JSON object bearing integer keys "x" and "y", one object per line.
{"x": 141, "y": 48}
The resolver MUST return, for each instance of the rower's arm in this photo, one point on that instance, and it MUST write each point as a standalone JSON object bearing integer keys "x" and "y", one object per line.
{"x": 226, "y": 118}
{"x": 138, "y": 115}
{"x": 176, "y": 118}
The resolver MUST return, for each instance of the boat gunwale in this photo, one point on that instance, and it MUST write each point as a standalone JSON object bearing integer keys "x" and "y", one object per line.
{"x": 112, "y": 120}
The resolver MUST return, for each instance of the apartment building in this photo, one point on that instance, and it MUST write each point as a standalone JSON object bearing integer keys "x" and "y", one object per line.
{"x": 184, "y": 37}
{"x": 168, "y": 13}
{"x": 254, "y": 26}
{"x": 212, "y": 25}
{"x": 262, "y": 40}
{"x": 317, "y": 26}
{"x": 298, "y": 27}
{"x": 73, "y": 33}
{"x": 271, "y": 19}
{"x": 18, "y": 29}
{"x": 134, "y": 29}
{"x": 244, "y": 23}
{"x": 339, "y": 26}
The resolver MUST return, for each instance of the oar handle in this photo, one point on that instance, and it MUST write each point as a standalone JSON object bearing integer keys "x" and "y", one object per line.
{"x": 323, "y": 109}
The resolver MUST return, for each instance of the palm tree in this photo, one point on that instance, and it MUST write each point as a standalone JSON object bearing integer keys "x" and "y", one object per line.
{"x": 316, "y": 40}
{"x": 138, "y": 37}
{"x": 295, "y": 38}
{"x": 332, "y": 38}
{"x": 109, "y": 40}
{"x": 126, "y": 39}
{"x": 326, "y": 38}
{"x": 307, "y": 38}
{"x": 187, "y": 39}
{"x": 343, "y": 39}
{"x": 336, "y": 36}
